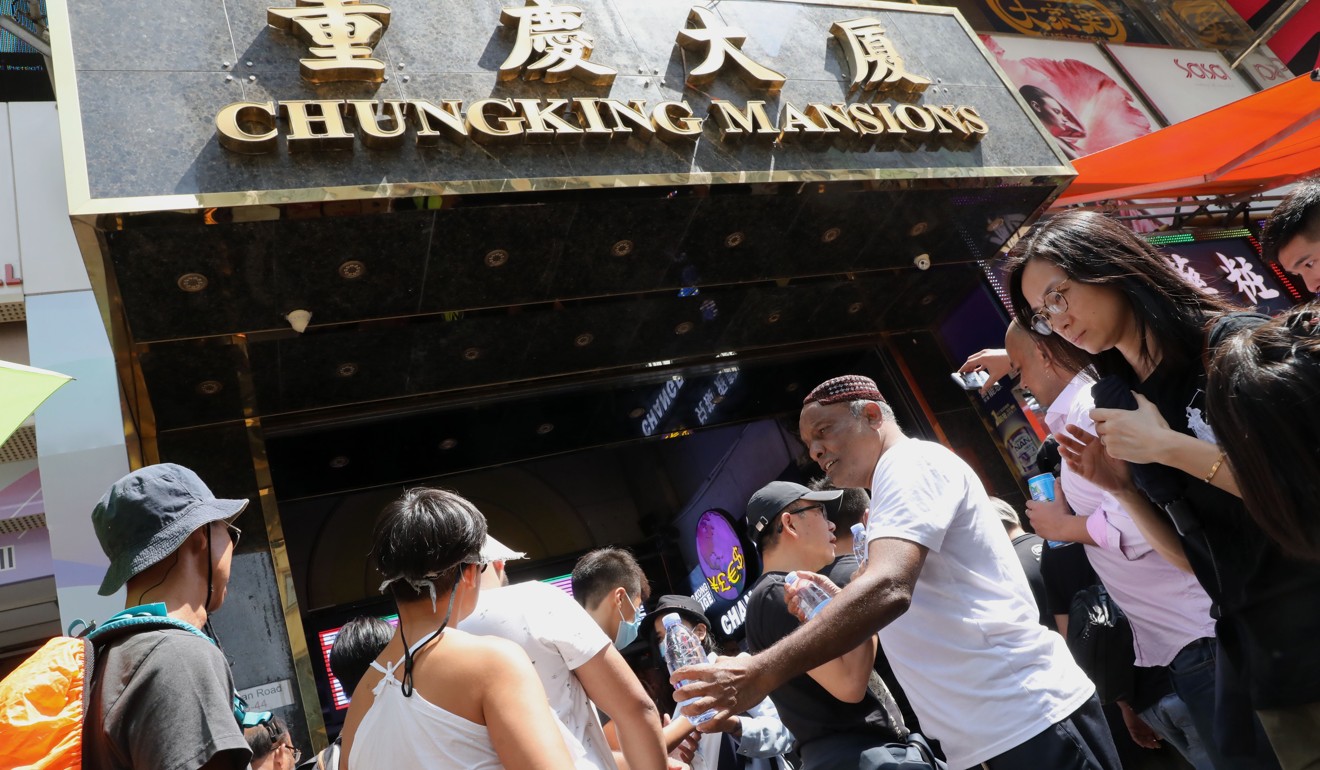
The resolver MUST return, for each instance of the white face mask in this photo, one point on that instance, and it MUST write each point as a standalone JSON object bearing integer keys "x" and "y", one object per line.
{"x": 627, "y": 633}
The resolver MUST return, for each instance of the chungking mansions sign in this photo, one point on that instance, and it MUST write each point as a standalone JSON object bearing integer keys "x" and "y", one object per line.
{"x": 553, "y": 43}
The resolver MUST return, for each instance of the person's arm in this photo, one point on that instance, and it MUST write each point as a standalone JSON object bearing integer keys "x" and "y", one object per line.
{"x": 1084, "y": 454}
{"x": 872, "y": 601}
{"x": 522, "y": 728}
{"x": 761, "y": 733}
{"x": 847, "y": 676}
{"x": 1054, "y": 520}
{"x": 993, "y": 361}
{"x": 1143, "y": 436}
{"x": 614, "y": 688}
{"x": 1061, "y": 623}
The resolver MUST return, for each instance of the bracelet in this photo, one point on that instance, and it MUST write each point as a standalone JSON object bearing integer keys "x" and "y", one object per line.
{"x": 1215, "y": 468}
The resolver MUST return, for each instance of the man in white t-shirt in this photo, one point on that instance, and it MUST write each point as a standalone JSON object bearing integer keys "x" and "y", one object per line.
{"x": 948, "y": 597}
{"x": 578, "y": 666}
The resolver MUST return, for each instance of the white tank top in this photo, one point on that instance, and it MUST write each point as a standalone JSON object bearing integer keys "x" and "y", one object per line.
{"x": 399, "y": 732}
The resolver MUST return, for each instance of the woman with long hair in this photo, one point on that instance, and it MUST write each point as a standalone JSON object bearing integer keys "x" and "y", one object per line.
{"x": 1264, "y": 390}
{"x": 437, "y": 697}
{"x": 1089, "y": 280}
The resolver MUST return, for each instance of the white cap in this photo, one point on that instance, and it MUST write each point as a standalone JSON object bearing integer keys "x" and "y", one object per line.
{"x": 494, "y": 550}
{"x": 671, "y": 619}
{"x": 791, "y": 578}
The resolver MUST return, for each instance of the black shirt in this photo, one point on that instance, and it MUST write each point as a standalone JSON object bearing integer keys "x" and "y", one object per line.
{"x": 806, "y": 708}
{"x": 1269, "y": 604}
{"x": 1065, "y": 571}
{"x": 1029, "y": 548}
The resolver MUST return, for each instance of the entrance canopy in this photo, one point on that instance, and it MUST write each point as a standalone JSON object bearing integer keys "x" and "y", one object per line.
{"x": 1254, "y": 144}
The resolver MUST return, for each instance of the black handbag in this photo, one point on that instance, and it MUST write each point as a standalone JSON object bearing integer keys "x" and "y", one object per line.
{"x": 1100, "y": 638}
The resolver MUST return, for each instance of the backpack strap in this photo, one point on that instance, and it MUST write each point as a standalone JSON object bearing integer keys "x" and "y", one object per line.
{"x": 1229, "y": 323}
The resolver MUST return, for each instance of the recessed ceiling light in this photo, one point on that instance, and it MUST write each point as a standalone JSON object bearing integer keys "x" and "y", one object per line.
{"x": 193, "y": 282}
{"x": 353, "y": 268}
{"x": 339, "y": 461}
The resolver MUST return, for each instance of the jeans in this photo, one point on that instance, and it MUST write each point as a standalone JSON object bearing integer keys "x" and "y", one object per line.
{"x": 1193, "y": 675}
{"x": 1080, "y": 742}
{"x": 1172, "y": 721}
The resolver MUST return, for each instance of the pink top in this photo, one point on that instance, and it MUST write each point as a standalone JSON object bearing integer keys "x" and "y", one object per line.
{"x": 1167, "y": 607}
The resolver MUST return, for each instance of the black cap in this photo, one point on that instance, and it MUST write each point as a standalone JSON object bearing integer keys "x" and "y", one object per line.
{"x": 769, "y": 500}
{"x": 687, "y": 608}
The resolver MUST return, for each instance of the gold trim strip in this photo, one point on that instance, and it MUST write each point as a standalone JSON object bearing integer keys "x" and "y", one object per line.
{"x": 76, "y": 182}
{"x": 1026, "y": 174}
{"x": 279, "y": 553}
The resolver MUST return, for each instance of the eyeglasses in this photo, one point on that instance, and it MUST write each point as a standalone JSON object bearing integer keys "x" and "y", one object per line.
{"x": 1055, "y": 303}
{"x": 234, "y": 533}
{"x": 297, "y": 755}
{"x": 804, "y": 509}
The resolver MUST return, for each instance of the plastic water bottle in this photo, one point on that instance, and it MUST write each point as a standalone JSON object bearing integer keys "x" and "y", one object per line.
{"x": 859, "y": 543}
{"x": 811, "y": 596}
{"x": 682, "y": 648}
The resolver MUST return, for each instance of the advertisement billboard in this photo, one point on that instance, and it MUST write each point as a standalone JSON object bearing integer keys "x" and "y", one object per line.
{"x": 1180, "y": 83}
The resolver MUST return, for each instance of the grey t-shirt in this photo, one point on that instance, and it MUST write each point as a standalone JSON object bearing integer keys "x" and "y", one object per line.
{"x": 164, "y": 701}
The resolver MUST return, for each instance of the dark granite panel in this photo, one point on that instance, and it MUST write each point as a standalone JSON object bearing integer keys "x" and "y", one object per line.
{"x": 676, "y": 327}
{"x": 462, "y": 351}
{"x": 330, "y": 367}
{"x": 624, "y": 245}
{"x": 494, "y": 255}
{"x": 776, "y": 315}
{"x": 257, "y": 272}
{"x": 127, "y": 35}
{"x": 737, "y": 237}
{"x": 343, "y": 268}
{"x": 193, "y": 382}
{"x": 240, "y": 289}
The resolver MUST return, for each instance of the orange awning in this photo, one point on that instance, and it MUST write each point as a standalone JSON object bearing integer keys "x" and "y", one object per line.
{"x": 1257, "y": 143}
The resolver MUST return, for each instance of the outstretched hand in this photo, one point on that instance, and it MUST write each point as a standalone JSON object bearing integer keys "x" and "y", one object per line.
{"x": 993, "y": 361}
{"x": 1087, "y": 457}
{"x": 730, "y": 686}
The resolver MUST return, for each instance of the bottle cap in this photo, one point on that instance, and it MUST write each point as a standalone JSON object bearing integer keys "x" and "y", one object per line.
{"x": 671, "y": 619}
{"x": 790, "y": 578}
{"x": 858, "y": 530}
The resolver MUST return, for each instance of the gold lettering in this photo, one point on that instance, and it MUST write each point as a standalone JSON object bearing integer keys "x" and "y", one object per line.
{"x": 588, "y": 112}
{"x": 794, "y": 125}
{"x": 948, "y": 122}
{"x": 448, "y": 114}
{"x": 735, "y": 123}
{"x": 834, "y": 116}
{"x": 236, "y": 126}
{"x": 867, "y": 122}
{"x": 686, "y": 127}
{"x": 483, "y": 132}
{"x": 544, "y": 124}
{"x": 367, "y": 115}
{"x": 633, "y": 112}
{"x": 975, "y": 123}
{"x": 882, "y": 110}
{"x": 908, "y": 115}
{"x": 321, "y": 129}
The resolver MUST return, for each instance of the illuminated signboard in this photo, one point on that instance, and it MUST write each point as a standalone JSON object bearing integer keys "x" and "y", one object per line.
{"x": 721, "y": 578}
{"x": 327, "y": 639}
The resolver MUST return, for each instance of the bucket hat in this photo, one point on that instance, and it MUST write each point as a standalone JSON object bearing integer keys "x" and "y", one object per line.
{"x": 148, "y": 514}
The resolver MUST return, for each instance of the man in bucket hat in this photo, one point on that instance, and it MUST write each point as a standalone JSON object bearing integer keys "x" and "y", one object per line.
{"x": 164, "y": 698}
{"x": 947, "y": 595}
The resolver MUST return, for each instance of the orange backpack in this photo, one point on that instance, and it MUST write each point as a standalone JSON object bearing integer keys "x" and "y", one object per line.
{"x": 43, "y": 702}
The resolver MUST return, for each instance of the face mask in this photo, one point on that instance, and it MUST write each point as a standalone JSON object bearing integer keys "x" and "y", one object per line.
{"x": 627, "y": 633}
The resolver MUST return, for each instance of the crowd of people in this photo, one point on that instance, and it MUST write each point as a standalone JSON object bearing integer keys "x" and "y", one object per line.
{"x": 1185, "y": 428}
